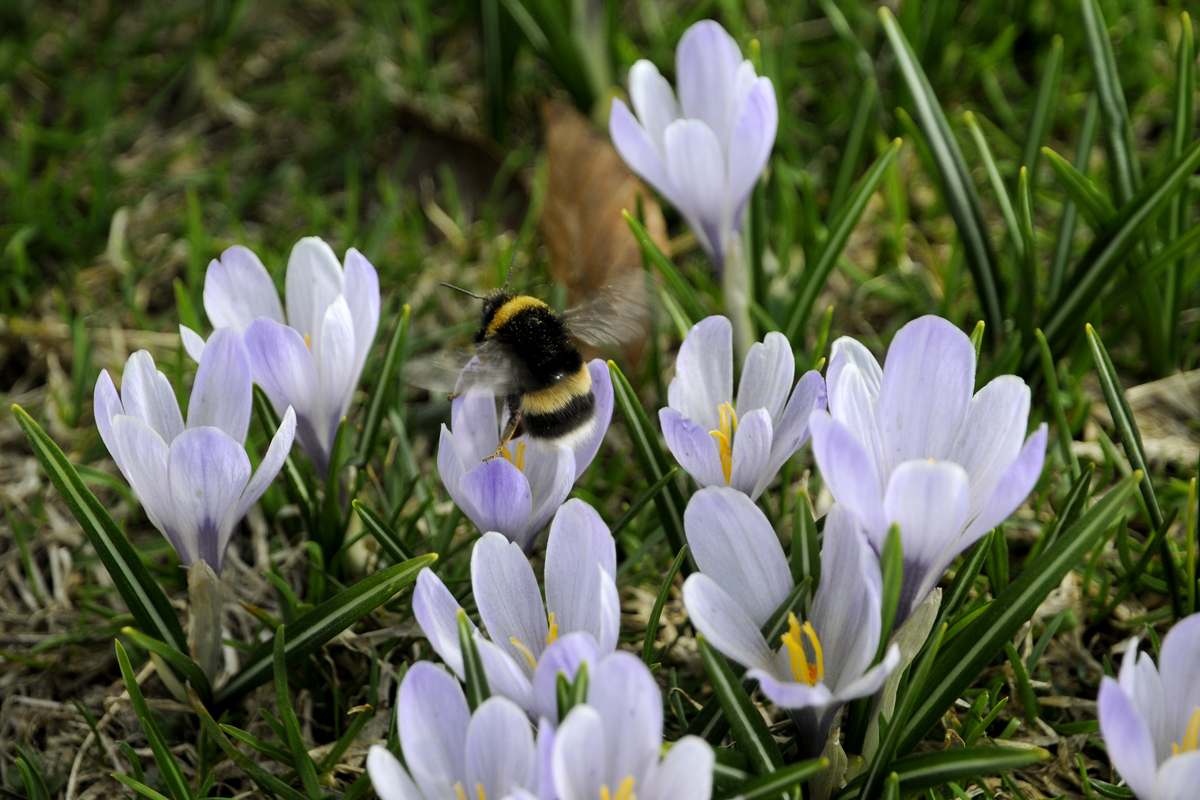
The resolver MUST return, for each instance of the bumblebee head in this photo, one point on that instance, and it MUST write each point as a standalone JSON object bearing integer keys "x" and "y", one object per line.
{"x": 493, "y": 301}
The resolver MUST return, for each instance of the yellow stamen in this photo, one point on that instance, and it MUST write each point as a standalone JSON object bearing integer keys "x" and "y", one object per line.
{"x": 458, "y": 790}
{"x": 1191, "y": 738}
{"x": 307, "y": 342}
{"x": 517, "y": 460}
{"x": 553, "y": 635}
{"x": 624, "y": 791}
{"x": 479, "y": 788}
{"x": 724, "y": 437}
{"x": 804, "y": 672}
{"x": 525, "y": 651}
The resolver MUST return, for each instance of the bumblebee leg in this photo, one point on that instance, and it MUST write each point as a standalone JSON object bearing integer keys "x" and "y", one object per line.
{"x": 510, "y": 427}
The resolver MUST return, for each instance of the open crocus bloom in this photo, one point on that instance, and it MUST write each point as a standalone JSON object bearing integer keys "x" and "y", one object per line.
{"x": 908, "y": 444}
{"x": 609, "y": 748}
{"x": 704, "y": 153}
{"x": 1151, "y": 718}
{"x": 517, "y": 493}
{"x": 581, "y": 596}
{"x": 451, "y": 753}
{"x": 194, "y": 481}
{"x": 743, "y": 446}
{"x": 311, "y": 360}
{"x": 744, "y": 577}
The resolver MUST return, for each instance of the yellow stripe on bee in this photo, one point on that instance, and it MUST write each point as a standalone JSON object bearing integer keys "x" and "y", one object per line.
{"x": 553, "y": 398}
{"x": 510, "y": 309}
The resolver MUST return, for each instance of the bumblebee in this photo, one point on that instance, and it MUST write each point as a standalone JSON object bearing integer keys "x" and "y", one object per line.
{"x": 525, "y": 354}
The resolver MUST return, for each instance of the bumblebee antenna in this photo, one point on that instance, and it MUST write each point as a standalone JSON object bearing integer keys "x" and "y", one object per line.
{"x": 464, "y": 291}
{"x": 511, "y": 265}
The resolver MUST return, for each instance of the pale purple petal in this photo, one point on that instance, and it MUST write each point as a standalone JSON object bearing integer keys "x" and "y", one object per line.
{"x": 545, "y": 757}
{"x": 501, "y": 498}
{"x": 694, "y": 447}
{"x": 704, "y": 372}
{"x": 500, "y": 755}
{"x": 845, "y": 609}
{"x": 1013, "y": 487}
{"x": 751, "y": 452}
{"x": 848, "y": 471}
{"x": 685, "y": 772}
{"x": 1143, "y": 685}
{"x": 146, "y": 394}
{"x": 510, "y": 603}
{"x": 602, "y": 390}
{"x": 476, "y": 426}
{"x": 268, "y": 468}
{"x": 610, "y": 612}
{"x": 550, "y": 473}
{"x": 388, "y": 778}
{"x": 1179, "y": 666}
{"x": 767, "y": 376}
{"x": 653, "y": 100}
{"x": 872, "y": 680}
{"x": 505, "y": 676}
{"x": 622, "y": 690}
{"x": 928, "y": 500}
{"x": 283, "y": 366}
{"x": 206, "y": 472}
{"x": 144, "y": 456}
{"x": 733, "y": 543}
{"x": 706, "y": 65}
{"x": 637, "y": 150}
{"x": 927, "y": 384}
{"x": 854, "y": 408}
{"x": 564, "y": 655}
{"x": 850, "y": 352}
{"x": 750, "y": 143}
{"x": 361, "y": 290}
{"x": 1130, "y": 747}
{"x": 451, "y": 471}
{"x": 578, "y": 760}
{"x": 579, "y": 543}
{"x": 436, "y": 611}
{"x": 238, "y": 290}
{"x": 724, "y": 623}
{"x": 991, "y": 436}
{"x": 193, "y": 343}
{"x": 335, "y": 366}
{"x": 106, "y": 404}
{"x": 1179, "y": 778}
{"x": 790, "y": 694}
{"x": 696, "y": 165}
{"x": 792, "y": 431}
{"x": 314, "y": 280}
{"x": 221, "y": 394}
{"x": 433, "y": 716}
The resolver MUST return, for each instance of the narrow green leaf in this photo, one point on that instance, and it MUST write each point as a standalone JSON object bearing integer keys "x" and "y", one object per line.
{"x": 301, "y": 760}
{"x": 1157, "y": 541}
{"x": 1081, "y": 489}
{"x": 377, "y": 526}
{"x": 1044, "y": 106}
{"x": 188, "y": 669}
{"x": 892, "y": 566}
{"x": 965, "y": 659}
{"x": 654, "y": 464}
{"x": 1052, "y": 394}
{"x": 840, "y": 228}
{"x": 1029, "y": 259}
{"x": 1179, "y": 214}
{"x": 297, "y": 488}
{"x": 149, "y": 606}
{"x": 785, "y": 779}
{"x": 891, "y": 787}
{"x": 749, "y": 730}
{"x": 1098, "y": 210}
{"x": 806, "y": 548}
{"x": 476, "y": 677}
{"x": 936, "y": 768}
{"x": 383, "y": 382}
{"x": 168, "y": 765}
{"x": 959, "y": 188}
{"x": 635, "y": 508}
{"x": 1065, "y": 236}
{"x": 993, "y": 173}
{"x": 1028, "y": 698}
{"x": 306, "y": 634}
{"x": 1118, "y": 132}
{"x": 268, "y": 749}
{"x": 977, "y": 338}
{"x": 648, "y": 648}
{"x": 679, "y": 285}
{"x": 856, "y": 140}
{"x": 137, "y": 786}
{"x": 362, "y": 716}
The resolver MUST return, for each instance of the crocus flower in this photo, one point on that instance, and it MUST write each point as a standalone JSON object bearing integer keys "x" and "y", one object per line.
{"x": 744, "y": 448}
{"x": 909, "y": 444}
{"x": 1151, "y": 717}
{"x": 609, "y": 748}
{"x": 581, "y": 596}
{"x": 517, "y": 493}
{"x": 193, "y": 481}
{"x": 704, "y": 153}
{"x": 451, "y": 753}
{"x": 744, "y": 577}
{"x": 311, "y": 360}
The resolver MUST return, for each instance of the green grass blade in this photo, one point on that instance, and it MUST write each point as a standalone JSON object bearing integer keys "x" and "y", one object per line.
{"x": 784, "y": 780}
{"x": 856, "y": 141}
{"x": 269, "y": 750}
{"x": 1098, "y": 211}
{"x": 961, "y": 197}
{"x": 891, "y": 564}
{"x": 993, "y": 173}
{"x": 1028, "y": 698}
{"x": 383, "y": 382}
{"x": 388, "y": 539}
{"x": 840, "y": 228}
{"x": 168, "y": 765}
{"x": 306, "y": 634}
{"x": 1056, "y": 407}
{"x": 476, "y": 678}
{"x": 287, "y": 715}
{"x": 965, "y": 658}
{"x": 927, "y": 770}
{"x": 187, "y": 668}
{"x": 1029, "y": 259}
{"x": 1065, "y": 235}
{"x": 648, "y": 648}
{"x": 1182, "y": 129}
{"x": 149, "y": 606}
{"x": 137, "y": 786}
{"x": 806, "y": 548}
{"x": 749, "y": 729}
{"x": 298, "y": 489}
{"x": 1118, "y": 132}
{"x": 680, "y": 286}
{"x": 1044, "y": 106}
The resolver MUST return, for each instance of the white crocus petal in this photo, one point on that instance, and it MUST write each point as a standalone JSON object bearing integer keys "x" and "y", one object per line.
{"x": 283, "y": 365}
{"x": 144, "y": 456}
{"x": 1130, "y": 745}
{"x": 685, "y": 772}
{"x": 505, "y": 676}
{"x": 854, "y": 408}
{"x": 1178, "y": 778}
{"x": 193, "y": 343}
{"x": 727, "y": 625}
{"x": 694, "y": 447}
{"x": 625, "y": 694}
{"x": 579, "y": 758}
{"x": 476, "y": 426}
{"x": 238, "y": 290}
{"x": 872, "y": 680}
{"x": 550, "y": 473}
{"x": 636, "y": 149}
{"x": 335, "y": 364}
{"x": 1143, "y": 684}
{"x": 767, "y": 376}
{"x": 992, "y": 436}
{"x": 696, "y": 165}
{"x": 792, "y": 430}
{"x": 436, "y": 611}
{"x": 268, "y": 468}
{"x": 704, "y": 372}
{"x": 221, "y": 394}
{"x": 545, "y": 758}
{"x": 314, "y": 281}
{"x": 388, "y": 778}
{"x": 1177, "y": 660}
{"x": 564, "y": 656}
{"x": 654, "y": 102}
{"x": 146, "y": 394}
{"x": 751, "y": 452}
{"x": 706, "y": 65}
{"x": 361, "y": 290}
{"x": 433, "y": 716}
{"x": 500, "y": 754}
{"x": 206, "y": 473}
{"x": 848, "y": 470}
{"x": 579, "y": 543}
{"x": 851, "y": 352}
{"x": 751, "y": 141}
{"x": 510, "y": 603}
{"x": 451, "y": 471}
{"x": 610, "y": 612}
{"x": 106, "y": 406}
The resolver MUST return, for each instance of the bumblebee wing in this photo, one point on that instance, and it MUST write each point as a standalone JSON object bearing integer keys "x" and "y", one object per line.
{"x": 614, "y": 315}
{"x": 491, "y": 370}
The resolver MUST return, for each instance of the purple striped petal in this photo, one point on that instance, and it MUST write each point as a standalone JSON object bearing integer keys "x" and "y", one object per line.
{"x": 206, "y": 473}
{"x": 752, "y": 453}
{"x": 436, "y": 611}
{"x": 510, "y": 603}
{"x": 564, "y": 655}
{"x": 693, "y": 446}
{"x": 636, "y": 149}
{"x": 703, "y": 372}
{"x": 792, "y": 430}
{"x": 106, "y": 404}
{"x": 147, "y": 394}
{"x": 696, "y": 165}
{"x": 238, "y": 290}
{"x": 144, "y": 457}
{"x": 1179, "y": 666}
{"x": 501, "y": 496}
{"x": 578, "y": 759}
{"x": 992, "y": 436}
{"x": 550, "y": 472}
{"x": 361, "y": 290}
{"x": 653, "y": 100}
{"x": 750, "y": 143}
{"x": 500, "y": 754}
{"x": 268, "y": 468}
{"x": 1130, "y": 747}
{"x": 221, "y": 395}
{"x": 602, "y": 390}
{"x": 725, "y": 623}
{"x": 433, "y": 718}
{"x": 850, "y": 352}
{"x": 767, "y": 376}
{"x": 579, "y": 551}
{"x": 706, "y": 65}
{"x": 848, "y": 471}
{"x": 684, "y": 773}
{"x": 623, "y": 692}
{"x": 1013, "y": 487}
{"x": 314, "y": 280}
{"x": 388, "y": 778}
